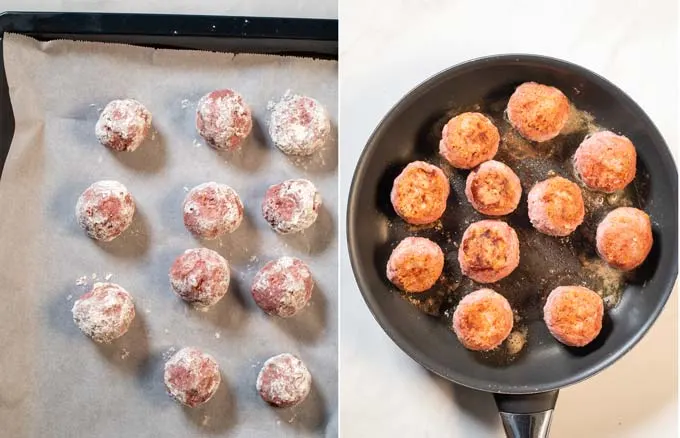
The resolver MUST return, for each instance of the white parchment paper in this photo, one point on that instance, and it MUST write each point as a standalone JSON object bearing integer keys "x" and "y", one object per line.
{"x": 55, "y": 382}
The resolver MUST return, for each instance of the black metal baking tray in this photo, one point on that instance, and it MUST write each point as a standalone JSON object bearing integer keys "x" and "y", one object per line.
{"x": 314, "y": 38}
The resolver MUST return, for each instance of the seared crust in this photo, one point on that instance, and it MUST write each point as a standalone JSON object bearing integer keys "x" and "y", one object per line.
{"x": 624, "y": 238}
{"x": 415, "y": 264}
{"x": 419, "y": 193}
{"x": 538, "y": 112}
{"x": 606, "y": 161}
{"x": 468, "y": 140}
{"x": 573, "y": 315}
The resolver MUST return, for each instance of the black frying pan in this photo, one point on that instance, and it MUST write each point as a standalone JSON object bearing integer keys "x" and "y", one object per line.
{"x": 525, "y": 385}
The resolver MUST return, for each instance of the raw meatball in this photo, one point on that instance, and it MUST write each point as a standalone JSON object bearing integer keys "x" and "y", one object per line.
{"x": 200, "y": 276}
{"x": 223, "y": 119}
{"x": 104, "y": 313}
{"x": 291, "y": 206}
{"x": 606, "y": 161}
{"x": 556, "y": 206}
{"x": 468, "y": 140}
{"x": 191, "y": 376}
{"x": 123, "y": 125}
{"x": 624, "y": 238}
{"x": 419, "y": 193}
{"x": 283, "y": 287}
{"x": 489, "y": 251}
{"x": 284, "y": 381}
{"x": 482, "y": 320}
{"x": 493, "y": 189}
{"x": 211, "y": 210}
{"x": 538, "y": 112}
{"x": 299, "y": 125}
{"x": 573, "y": 315}
{"x": 105, "y": 210}
{"x": 415, "y": 264}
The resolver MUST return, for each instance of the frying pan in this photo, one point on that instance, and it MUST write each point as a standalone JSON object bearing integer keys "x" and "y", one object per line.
{"x": 525, "y": 386}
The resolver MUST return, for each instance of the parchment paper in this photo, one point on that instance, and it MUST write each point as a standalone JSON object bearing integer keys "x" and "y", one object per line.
{"x": 55, "y": 382}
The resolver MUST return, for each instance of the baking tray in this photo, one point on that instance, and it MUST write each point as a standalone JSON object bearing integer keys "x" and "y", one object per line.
{"x": 305, "y": 37}
{"x": 310, "y": 38}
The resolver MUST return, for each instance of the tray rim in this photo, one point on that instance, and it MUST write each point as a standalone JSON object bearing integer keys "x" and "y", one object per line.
{"x": 178, "y": 25}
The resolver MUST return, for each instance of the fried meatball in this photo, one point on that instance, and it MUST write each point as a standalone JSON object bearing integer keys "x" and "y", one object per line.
{"x": 283, "y": 286}
{"x": 493, "y": 189}
{"x": 299, "y": 125}
{"x": 284, "y": 381}
{"x": 415, "y": 264}
{"x": 104, "y": 313}
{"x": 573, "y": 315}
{"x": 200, "y": 276}
{"x": 105, "y": 209}
{"x": 123, "y": 125}
{"x": 291, "y": 206}
{"x": 606, "y": 161}
{"x": 538, "y": 112}
{"x": 489, "y": 251}
{"x": 419, "y": 193}
{"x": 556, "y": 206}
{"x": 223, "y": 119}
{"x": 482, "y": 320}
{"x": 468, "y": 140}
{"x": 211, "y": 210}
{"x": 624, "y": 238}
{"x": 191, "y": 377}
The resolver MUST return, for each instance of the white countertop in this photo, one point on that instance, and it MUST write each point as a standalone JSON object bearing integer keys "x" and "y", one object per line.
{"x": 388, "y": 48}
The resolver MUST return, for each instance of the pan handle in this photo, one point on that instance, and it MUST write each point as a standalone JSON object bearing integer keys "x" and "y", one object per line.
{"x": 526, "y": 416}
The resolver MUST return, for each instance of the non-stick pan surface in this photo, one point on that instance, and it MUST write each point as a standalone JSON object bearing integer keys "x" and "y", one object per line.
{"x": 410, "y": 132}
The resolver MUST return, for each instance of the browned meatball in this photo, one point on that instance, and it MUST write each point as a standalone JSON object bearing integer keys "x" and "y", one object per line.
{"x": 468, "y": 140}
{"x": 493, "y": 189}
{"x": 489, "y": 251}
{"x": 483, "y": 320}
{"x": 573, "y": 315}
{"x": 538, "y": 112}
{"x": 606, "y": 161}
{"x": 415, "y": 264}
{"x": 624, "y": 238}
{"x": 556, "y": 206}
{"x": 419, "y": 193}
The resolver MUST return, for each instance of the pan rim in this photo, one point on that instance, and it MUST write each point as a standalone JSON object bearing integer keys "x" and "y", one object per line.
{"x": 352, "y": 243}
